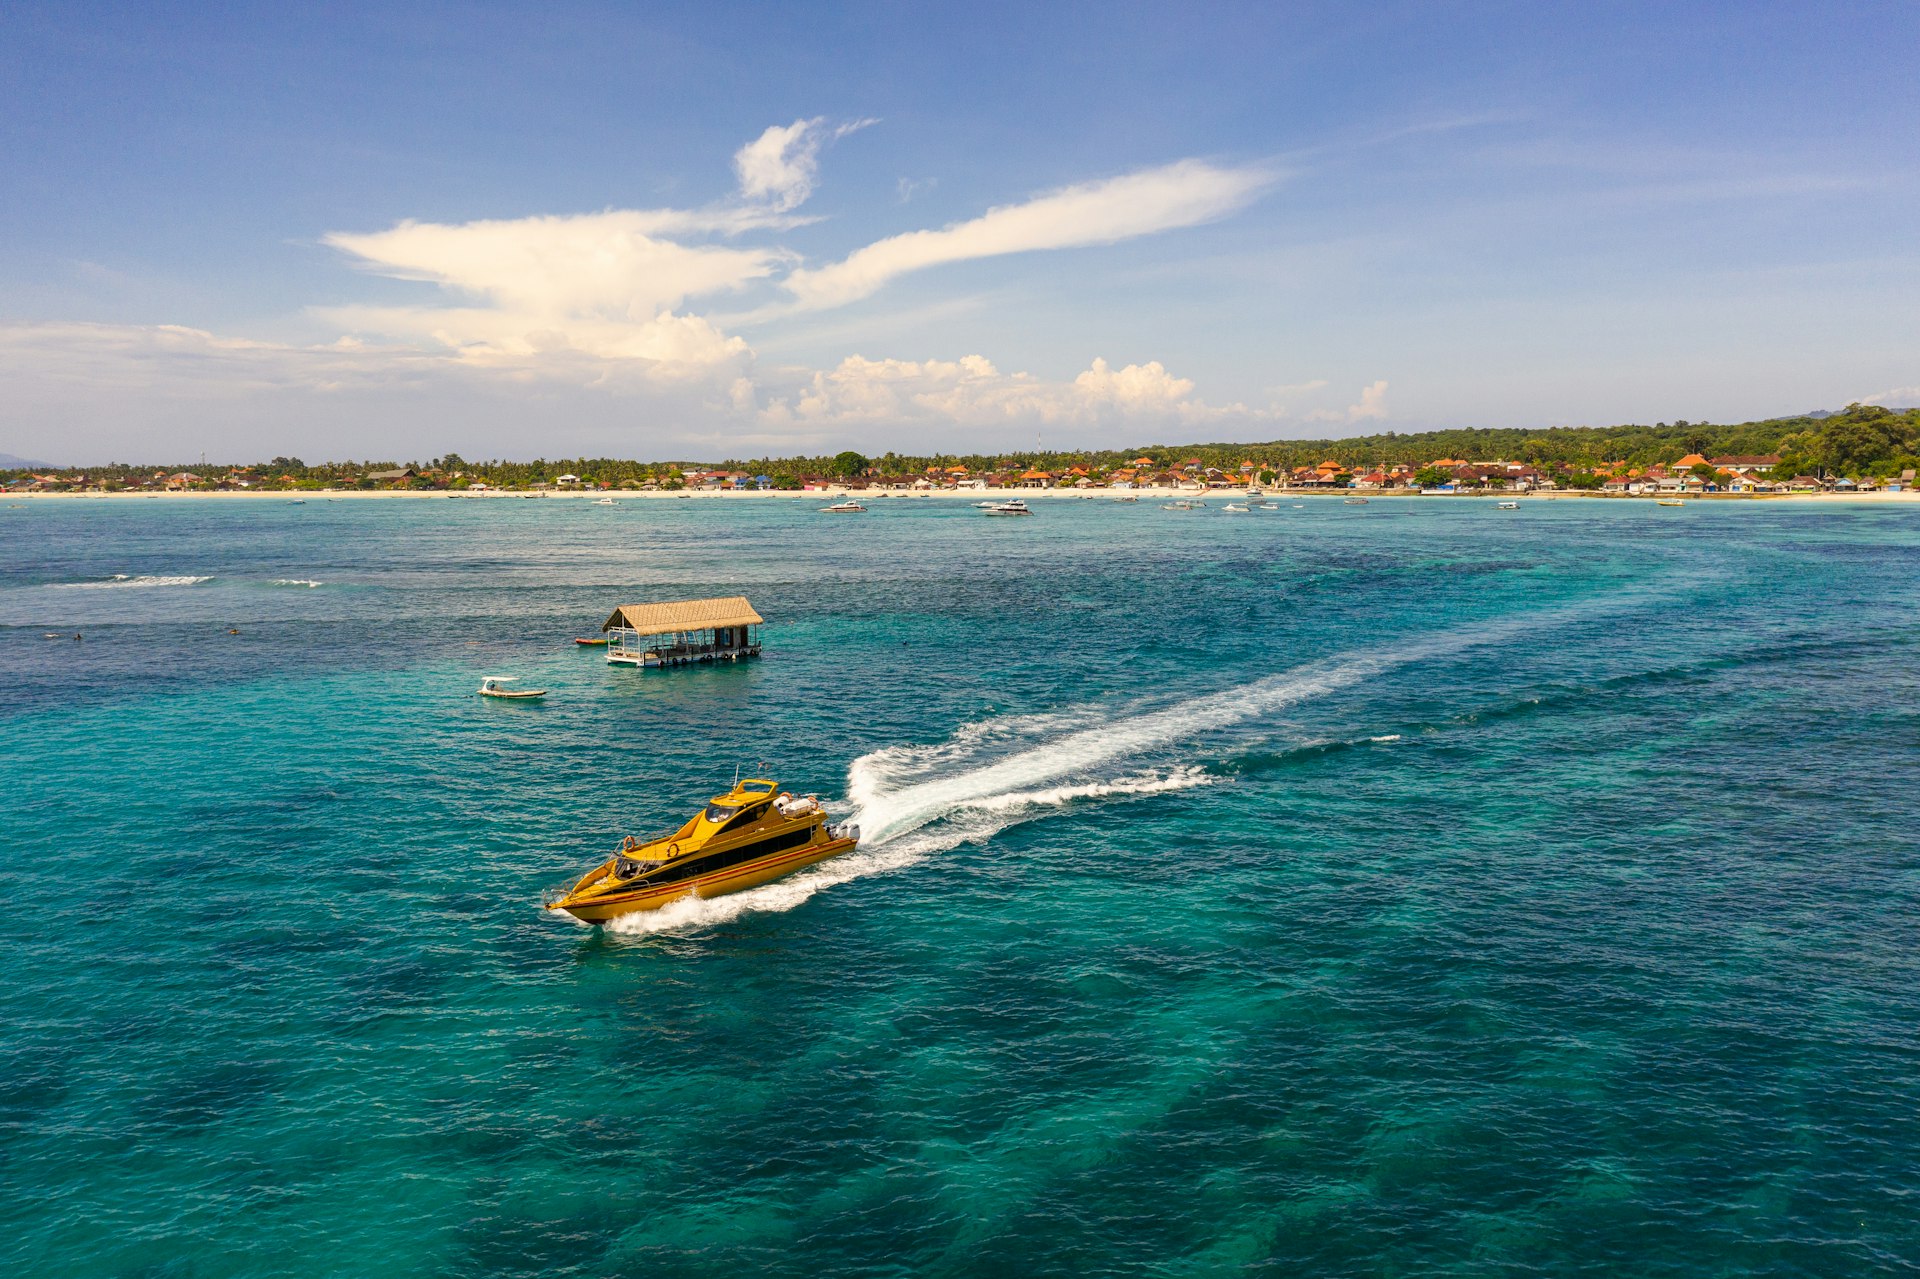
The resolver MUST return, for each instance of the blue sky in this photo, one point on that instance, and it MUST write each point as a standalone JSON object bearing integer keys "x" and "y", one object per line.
{"x": 701, "y": 230}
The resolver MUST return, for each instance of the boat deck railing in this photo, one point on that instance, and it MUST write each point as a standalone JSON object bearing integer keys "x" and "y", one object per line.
{"x": 674, "y": 654}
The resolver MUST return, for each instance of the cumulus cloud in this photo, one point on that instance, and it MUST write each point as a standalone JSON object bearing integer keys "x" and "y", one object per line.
{"x": 604, "y": 284}
{"x": 147, "y": 385}
{"x": 1372, "y": 405}
{"x": 971, "y": 391}
{"x": 616, "y": 284}
{"x": 1900, "y": 397}
{"x": 779, "y": 167}
{"x": 1176, "y": 195}
{"x": 1373, "y": 402}
{"x": 621, "y": 306}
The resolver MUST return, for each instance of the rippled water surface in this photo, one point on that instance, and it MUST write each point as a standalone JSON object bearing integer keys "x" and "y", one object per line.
{"x": 1416, "y": 888}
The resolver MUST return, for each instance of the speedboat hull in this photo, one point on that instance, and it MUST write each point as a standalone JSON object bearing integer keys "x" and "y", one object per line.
{"x": 602, "y": 907}
{"x": 752, "y": 835}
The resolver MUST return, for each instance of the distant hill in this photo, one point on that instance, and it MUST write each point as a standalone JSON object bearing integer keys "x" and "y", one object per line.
{"x": 9, "y": 462}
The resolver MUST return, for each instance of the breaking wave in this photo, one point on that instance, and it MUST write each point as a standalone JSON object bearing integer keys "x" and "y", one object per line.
{"x": 144, "y": 579}
{"x": 296, "y": 581}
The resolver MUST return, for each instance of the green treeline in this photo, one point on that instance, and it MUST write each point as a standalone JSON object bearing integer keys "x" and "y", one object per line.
{"x": 1862, "y": 441}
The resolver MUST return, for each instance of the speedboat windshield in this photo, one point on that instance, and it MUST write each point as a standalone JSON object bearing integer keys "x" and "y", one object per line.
{"x": 720, "y": 812}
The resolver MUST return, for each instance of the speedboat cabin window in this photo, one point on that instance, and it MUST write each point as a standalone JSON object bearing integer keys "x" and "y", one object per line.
{"x": 717, "y": 813}
{"x": 747, "y": 817}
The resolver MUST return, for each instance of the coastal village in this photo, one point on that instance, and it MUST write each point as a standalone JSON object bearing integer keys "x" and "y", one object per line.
{"x": 1863, "y": 448}
{"x": 1690, "y": 474}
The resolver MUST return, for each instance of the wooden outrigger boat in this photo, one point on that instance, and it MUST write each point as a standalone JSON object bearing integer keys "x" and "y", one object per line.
{"x": 492, "y": 686}
{"x": 753, "y": 834}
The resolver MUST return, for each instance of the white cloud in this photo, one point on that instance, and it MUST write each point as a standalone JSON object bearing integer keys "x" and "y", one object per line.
{"x": 1373, "y": 402}
{"x": 1899, "y": 397}
{"x": 1372, "y": 405}
{"x": 603, "y": 284}
{"x": 613, "y": 285}
{"x": 1175, "y": 195}
{"x": 971, "y": 391}
{"x": 779, "y": 167}
{"x": 612, "y": 315}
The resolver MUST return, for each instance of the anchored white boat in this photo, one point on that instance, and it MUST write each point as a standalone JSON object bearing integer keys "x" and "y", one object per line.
{"x": 848, "y": 507}
{"x": 1014, "y": 507}
{"x": 1507, "y": 506}
{"x": 494, "y": 686}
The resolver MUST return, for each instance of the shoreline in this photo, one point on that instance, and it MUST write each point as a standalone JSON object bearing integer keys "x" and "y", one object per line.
{"x": 971, "y": 495}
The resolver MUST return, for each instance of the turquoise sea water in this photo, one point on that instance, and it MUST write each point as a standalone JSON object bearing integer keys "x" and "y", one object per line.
{"x": 1415, "y": 888}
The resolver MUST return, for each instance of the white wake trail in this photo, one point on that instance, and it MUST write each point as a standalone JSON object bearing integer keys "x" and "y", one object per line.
{"x": 914, "y": 801}
{"x": 986, "y": 818}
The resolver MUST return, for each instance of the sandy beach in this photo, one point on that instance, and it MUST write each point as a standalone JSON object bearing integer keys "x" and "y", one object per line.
{"x": 970, "y": 495}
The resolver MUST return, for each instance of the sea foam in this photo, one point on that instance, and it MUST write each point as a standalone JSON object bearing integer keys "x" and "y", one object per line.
{"x": 143, "y": 579}
{"x": 913, "y": 801}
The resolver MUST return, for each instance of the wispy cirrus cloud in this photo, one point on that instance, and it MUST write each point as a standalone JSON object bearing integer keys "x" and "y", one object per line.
{"x": 618, "y": 308}
{"x": 632, "y": 284}
{"x": 1183, "y": 194}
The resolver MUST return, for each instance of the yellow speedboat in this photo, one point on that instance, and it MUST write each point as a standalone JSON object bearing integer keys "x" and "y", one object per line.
{"x": 752, "y": 834}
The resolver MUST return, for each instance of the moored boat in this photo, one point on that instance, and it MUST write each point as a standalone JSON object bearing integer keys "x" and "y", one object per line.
{"x": 1507, "y": 506}
{"x": 753, "y": 834}
{"x": 1671, "y": 501}
{"x": 592, "y": 643}
{"x": 493, "y": 686}
{"x": 848, "y": 507}
{"x": 1016, "y": 506}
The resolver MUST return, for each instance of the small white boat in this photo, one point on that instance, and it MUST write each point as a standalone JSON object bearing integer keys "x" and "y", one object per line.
{"x": 1356, "y": 501}
{"x": 1182, "y": 505}
{"x": 1128, "y": 498}
{"x": 1671, "y": 501}
{"x": 491, "y": 686}
{"x": 1507, "y": 506}
{"x": 848, "y": 507}
{"x": 1013, "y": 507}
{"x": 606, "y": 501}
{"x": 1236, "y": 508}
